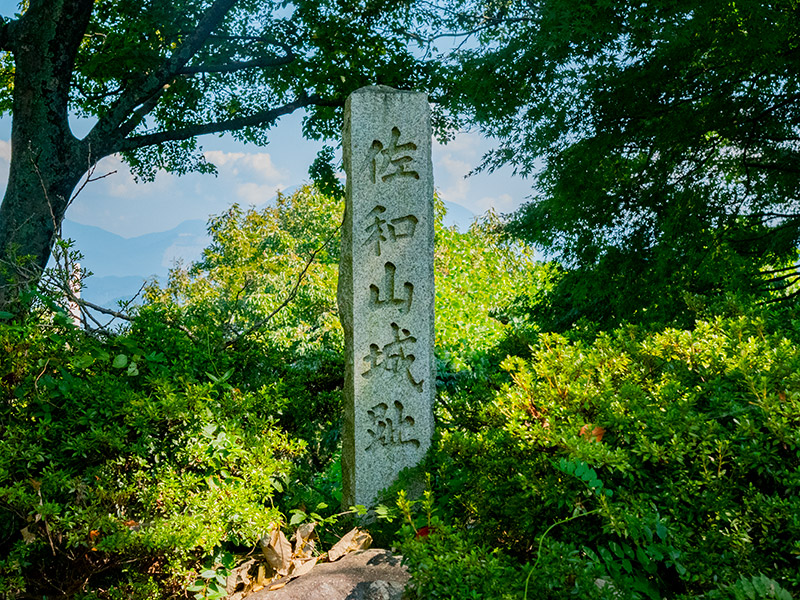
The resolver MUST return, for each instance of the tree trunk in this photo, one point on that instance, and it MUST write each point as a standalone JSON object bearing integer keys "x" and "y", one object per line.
{"x": 47, "y": 161}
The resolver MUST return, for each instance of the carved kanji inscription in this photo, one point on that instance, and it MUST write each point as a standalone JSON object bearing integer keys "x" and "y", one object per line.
{"x": 390, "y": 426}
{"x": 393, "y": 160}
{"x": 394, "y": 357}
{"x": 386, "y": 295}
{"x": 386, "y": 289}
{"x": 379, "y": 229}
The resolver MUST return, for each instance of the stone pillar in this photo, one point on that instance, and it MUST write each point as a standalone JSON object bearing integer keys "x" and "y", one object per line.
{"x": 386, "y": 294}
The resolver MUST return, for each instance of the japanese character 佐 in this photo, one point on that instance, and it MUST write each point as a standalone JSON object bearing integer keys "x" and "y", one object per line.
{"x": 387, "y": 163}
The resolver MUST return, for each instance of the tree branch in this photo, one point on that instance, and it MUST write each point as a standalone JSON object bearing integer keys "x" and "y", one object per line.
{"x": 238, "y": 65}
{"x": 153, "y": 83}
{"x": 291, "y": 296}
{"x": 781, "y": 288}
{"x": 256, "y": 119}
{"x": 773, "y": 167}
{"x": 783, "y": 270}
{"x": 140, "y": 113}
{"x": 791, "y": 98}
{"x": 776, "y": 279}
{"x": 781, "y": 298}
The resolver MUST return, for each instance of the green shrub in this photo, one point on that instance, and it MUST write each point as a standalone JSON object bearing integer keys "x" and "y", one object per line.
{"x": 115, "y": 467}
{"x": 694, "y": 434}
{"x": 446, "y": 566}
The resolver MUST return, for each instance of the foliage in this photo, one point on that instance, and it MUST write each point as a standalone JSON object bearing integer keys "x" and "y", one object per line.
{"x": 253, "y": 264}
{"x": 445, "y": 565}
{"x": 483, "y": 281}
{"x": 479, "y": 276}
{"x": 153, "y": 77}
{"x": 677, "y": 448}
{"x": 641, "y": 462}
{"x": 114, "y": 465}
{"x": 259, "y": 309}
{"x": 663, "y": 137}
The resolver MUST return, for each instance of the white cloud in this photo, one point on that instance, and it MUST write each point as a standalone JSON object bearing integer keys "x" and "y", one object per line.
{"x": 504, "y": 203}
{"x": 5, "y": 150}
{"x": 248, "y": 165}
{"x": 481, "y": 191}
{"x": 256, "y": 194}
{"x": 453, "y": 187}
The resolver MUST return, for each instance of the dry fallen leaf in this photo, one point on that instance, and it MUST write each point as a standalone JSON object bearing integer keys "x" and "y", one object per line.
{"x": 356, "y": 539}
{"x": 27, "y": 536}
{"x": 239, "y": 582}
{"x": 277, "y": 586}
{"x": 303, "y": 544}
{"x": 302, "y": 566}
{"x": 278, "y": 552}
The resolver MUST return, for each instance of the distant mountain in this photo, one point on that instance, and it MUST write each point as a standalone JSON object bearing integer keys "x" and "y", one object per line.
{"x": 120, "y": 265}
{"x": 107, "y": 253}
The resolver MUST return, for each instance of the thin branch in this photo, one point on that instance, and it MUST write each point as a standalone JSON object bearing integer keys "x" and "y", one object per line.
{"x": 89, "y": 178}
{"x": 485, "y": 23}
{"x": 263, "y": 38}
{"x": 291, "y": 296}
{"x": 794, "y": 294}
{"x": 772, "y": 167}
{"x": 99, "y": 96}
{"x": 786, "y": 101}
{"x": 766, "y": 216}
{"x": 794, "y": 275}
{"x": 231, "y": 67}
{"x": 56, "y": 222}
{"x": 783, "y": 270}
{"x": 141, "y": 112}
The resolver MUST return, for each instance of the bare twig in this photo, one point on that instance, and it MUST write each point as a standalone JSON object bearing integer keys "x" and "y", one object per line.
{"x": 291, "y": 296}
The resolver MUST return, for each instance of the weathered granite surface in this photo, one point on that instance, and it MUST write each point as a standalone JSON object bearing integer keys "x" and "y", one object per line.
{"x": 386, "y": 293}
{"x": 363, "y": 575}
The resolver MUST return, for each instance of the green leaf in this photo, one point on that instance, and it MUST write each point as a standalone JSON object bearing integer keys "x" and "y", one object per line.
{"x": 82, "y": 361}
{"x": 120, "y": 361}
{"x": 605, "y": 554}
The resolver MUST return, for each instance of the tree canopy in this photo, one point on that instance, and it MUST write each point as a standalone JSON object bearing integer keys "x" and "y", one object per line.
{"x": 153, "y": 76}
{"x": 663, "y": 137}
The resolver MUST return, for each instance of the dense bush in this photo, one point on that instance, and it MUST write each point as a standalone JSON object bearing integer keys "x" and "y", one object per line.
{"x": 678, "y": 452}
{"x": 116, "y": 474}
{"x": 126, "y": 459}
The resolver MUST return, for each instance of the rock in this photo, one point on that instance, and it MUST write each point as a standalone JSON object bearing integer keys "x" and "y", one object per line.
{"x": 364, "y": 575}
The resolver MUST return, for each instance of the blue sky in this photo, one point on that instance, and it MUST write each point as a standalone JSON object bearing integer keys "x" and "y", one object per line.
{"x": 251, "y": 175}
